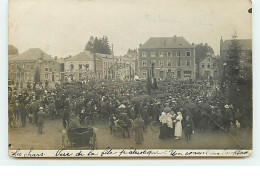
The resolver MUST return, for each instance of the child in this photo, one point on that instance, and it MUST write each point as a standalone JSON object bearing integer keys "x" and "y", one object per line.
{"x": 188, "y": 128}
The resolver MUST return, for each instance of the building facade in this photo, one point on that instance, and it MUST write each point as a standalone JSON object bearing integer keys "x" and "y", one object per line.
{"x": 32, "y": 65}
{"x": 167, "y": 58}
{"x": 79, "y": 67}
{"x": 209, "y": 67}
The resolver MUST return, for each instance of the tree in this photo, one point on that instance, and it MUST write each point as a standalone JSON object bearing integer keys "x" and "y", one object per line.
{"x": 233, "y": 59}
{"x": 202, "y": 50}
{"x": 37, "y": 75}
{"x": 98, "y": 45}
{"x": 12, "y": 50}
{"x": 130, "y": 51}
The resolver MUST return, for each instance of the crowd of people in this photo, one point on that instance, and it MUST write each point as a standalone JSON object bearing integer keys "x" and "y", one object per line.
{"x": 178, "y": 105}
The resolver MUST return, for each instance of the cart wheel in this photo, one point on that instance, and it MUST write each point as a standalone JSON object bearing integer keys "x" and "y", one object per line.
{"x": 117, "y": 131}
{"x": 91, "y": 143}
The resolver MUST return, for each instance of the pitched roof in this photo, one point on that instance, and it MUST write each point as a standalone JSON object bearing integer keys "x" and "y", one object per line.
{"x": 83, "y": 56}
{"x": 32, "y": 54}
{"x": 107, "y": 56}
{"x": 206, "y": 57}
{"x": 166, "y": 42}
{"x": 246, "y": 43}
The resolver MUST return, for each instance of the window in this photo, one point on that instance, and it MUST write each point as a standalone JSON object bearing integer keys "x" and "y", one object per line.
{"x": 188, "y": 53}
{"x": 80, "y": 76}
{"x": 80, "y": 66}
{"x": 178, "y": 54}
{"x": 161, "y": 63}
{"x": 208, "y": 59}
{"x": 214, "y": 65}
{"x": 72, "y": 66}
{"x": 169, "y": 54}
{"x": 32, "y": 67}
{"x": 203, "y": 66}
{"x": 144, "y": 63}
{"x": 206, "y": 74}
{"x": 46, "y": 76}
{"x": 144, "y": 54}
{"x": 62, "y": 67}
{"x": 144, "y": 74}
{"x": 161, "y": 54}
{"x": 152, "y": 54}
{"x": 179, "y": 74}
{"x": 208, "y": 66}
{"x": 169, "y": 62}
{"x": 27, "y": 66}
{"x": 188, "y": 62}
{"x": 153, "y": 62}
{"x": 46, "y": 69}
{"x": 179, "y": 62}
{"x": 215, "y": 74}
{"x": 87, "y": 66}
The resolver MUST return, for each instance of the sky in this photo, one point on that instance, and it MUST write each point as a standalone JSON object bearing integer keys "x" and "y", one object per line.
{"x": 63, "y": 27}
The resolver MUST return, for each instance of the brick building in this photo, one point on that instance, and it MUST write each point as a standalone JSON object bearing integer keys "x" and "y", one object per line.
{"x": 172, "y": 57}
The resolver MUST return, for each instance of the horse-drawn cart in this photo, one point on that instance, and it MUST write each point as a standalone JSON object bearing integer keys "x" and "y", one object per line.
{"x": 79, "y": 138}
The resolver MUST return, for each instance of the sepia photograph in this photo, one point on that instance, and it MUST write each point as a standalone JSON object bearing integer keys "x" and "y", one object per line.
{"x": 128, "y": 78}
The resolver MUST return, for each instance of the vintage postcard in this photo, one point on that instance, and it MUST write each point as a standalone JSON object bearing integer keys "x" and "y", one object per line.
{"x": 130, "y": 78}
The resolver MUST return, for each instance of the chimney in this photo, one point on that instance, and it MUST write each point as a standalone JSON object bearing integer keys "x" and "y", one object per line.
{"x": 192, "y": 44}
{"x": 140, "y": 45}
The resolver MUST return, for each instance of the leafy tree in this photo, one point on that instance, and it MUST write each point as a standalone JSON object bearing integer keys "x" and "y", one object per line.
{"x": 12, "y": 50}
{"x": 98, "y": 45}
{"x": 201, "y": 51}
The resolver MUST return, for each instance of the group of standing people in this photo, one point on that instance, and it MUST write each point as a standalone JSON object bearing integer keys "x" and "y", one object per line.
{"x": 173, "y": 124}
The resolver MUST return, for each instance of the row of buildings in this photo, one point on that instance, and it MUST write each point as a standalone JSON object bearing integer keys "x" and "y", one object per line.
{"x": 161, "y": 57}
{"x": 36, "y": 65}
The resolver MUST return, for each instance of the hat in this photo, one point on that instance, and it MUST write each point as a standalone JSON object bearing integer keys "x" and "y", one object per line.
{"x": 121, "y": 106}
{"x": 227, "y": 106}
{"x": 166, "y": 109}
{"x": 41, "y": 108}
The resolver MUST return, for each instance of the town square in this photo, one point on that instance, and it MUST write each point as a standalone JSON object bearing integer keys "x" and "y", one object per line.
{"x": 166, "y": 90}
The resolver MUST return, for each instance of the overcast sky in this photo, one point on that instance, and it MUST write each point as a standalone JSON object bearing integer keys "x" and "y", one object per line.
{"x": 63, "y": 27}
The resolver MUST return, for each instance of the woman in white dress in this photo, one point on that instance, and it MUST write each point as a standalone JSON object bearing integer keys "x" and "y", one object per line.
{"x": 178, "y": 126}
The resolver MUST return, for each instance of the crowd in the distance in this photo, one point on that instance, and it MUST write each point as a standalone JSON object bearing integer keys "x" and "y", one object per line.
{"x": 178, "y": 105}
